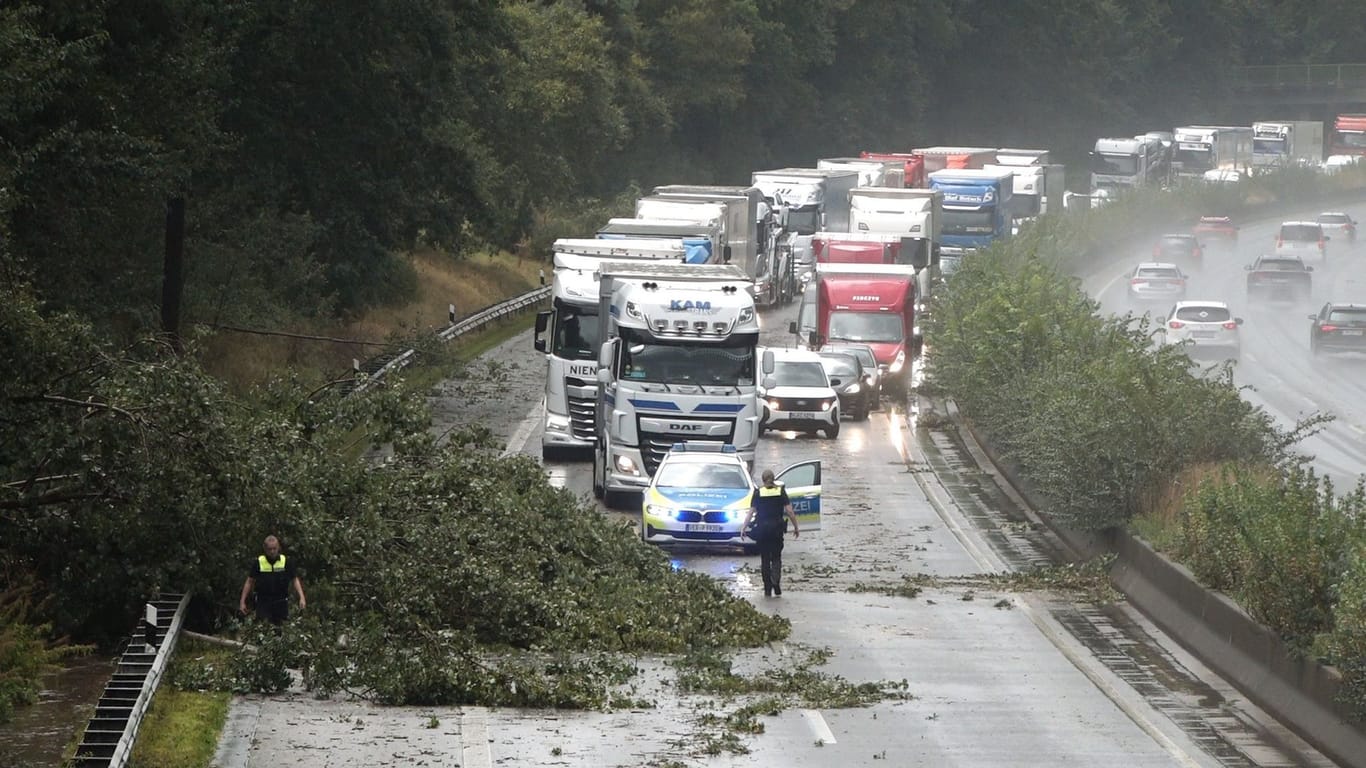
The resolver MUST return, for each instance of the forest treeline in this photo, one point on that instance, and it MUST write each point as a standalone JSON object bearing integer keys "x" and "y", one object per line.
{"x": 314, "y": 139}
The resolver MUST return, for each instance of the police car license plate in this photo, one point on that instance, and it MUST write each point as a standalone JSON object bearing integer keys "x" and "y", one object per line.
{"x": 800, "y": 415}
{"x": 702, "y": 527}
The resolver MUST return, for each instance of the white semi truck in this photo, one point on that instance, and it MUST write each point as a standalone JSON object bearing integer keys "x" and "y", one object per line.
{"x": 909, "y": 213}
{"x": 677, "y": 363}
{"x": 1286, "y": 143}
{"x": 1119, "y": 164}
{"x": 770, "y": 267}
{"x": 809, "y": 200}
{"x": 702, "y": 243}
{"x": 1202, "y": 148}
{"x": 568, "y": 336}
{"x": 872, "y": 173}
{"x": 1039, "y": 183}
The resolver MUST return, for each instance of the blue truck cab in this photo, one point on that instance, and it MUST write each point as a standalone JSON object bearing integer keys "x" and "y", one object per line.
{"x": 977, "y": 208}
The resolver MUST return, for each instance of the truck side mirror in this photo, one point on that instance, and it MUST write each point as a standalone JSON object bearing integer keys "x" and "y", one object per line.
{"x": 792, "y": 328}
{"x": 542, "y": 323}
{"x": 769, "y": 363}
{"x": 814, "y": 340}
{"x": 604, "y": 376}
{"x": 725, "y": 254}
{"x": 770, "y": 382}
{"x": 607, "y": 354}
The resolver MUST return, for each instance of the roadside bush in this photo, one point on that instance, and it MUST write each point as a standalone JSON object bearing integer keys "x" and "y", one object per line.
{"x": 1345, "y": 646}
{"x": 27, "y": 650}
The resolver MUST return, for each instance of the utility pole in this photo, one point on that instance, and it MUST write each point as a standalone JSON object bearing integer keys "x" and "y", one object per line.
{"x": 173, "y": 272}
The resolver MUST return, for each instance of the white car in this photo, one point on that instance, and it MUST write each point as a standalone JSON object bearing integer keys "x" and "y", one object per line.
{"x": 1302, "y": 238}
{"x": 797, "y": 396}
{"x": 1337, "y": 163}
{"x": 701, "y": 492}
{"x": 1339, "y": 225}
{"x": 1204, "y": 326}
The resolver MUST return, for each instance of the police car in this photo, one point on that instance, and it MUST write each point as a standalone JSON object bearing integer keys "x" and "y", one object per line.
{"x": 700, "y": 494}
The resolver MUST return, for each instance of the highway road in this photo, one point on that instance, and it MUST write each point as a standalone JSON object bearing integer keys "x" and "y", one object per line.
{"x": 993, "y": 678}
{"x": 1277, "y": 367}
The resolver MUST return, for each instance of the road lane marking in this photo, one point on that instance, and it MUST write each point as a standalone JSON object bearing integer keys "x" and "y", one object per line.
{"x": 474, "y": 738}
{"x": 819, "y": 727}
{"x": 987, "y": 559}
{"x": 517, "y": 443}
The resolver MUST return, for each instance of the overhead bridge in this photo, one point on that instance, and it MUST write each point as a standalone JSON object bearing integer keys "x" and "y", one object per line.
{"x": 1313, "y": 89}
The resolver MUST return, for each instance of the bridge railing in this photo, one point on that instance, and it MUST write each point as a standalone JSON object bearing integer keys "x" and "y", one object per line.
{"x": 1306, "y": 76}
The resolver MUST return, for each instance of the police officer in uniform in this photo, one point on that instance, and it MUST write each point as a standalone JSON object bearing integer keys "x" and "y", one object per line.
{"x": 769, "y": 513}
{"x": 271, "y": 575}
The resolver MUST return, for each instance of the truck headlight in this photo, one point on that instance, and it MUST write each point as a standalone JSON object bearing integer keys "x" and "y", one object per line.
{"x": 774, "y": 405}
{"x": 556, "y": 421}
{"x": 746, "y": 314}
{"x": 626, "y": 466}
{"x": 900, "y": 360}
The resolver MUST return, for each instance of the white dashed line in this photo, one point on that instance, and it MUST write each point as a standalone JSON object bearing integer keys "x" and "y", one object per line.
{"x": 818, "y": 726}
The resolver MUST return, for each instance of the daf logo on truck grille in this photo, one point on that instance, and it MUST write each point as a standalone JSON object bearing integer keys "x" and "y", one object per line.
{"x": 866, "y": 298}
{"x": 685, "y": 427}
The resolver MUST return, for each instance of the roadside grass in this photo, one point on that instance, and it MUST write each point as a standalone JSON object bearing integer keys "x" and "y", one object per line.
{"x": 1158, "y": 521}
{"x": 244, "y": 360}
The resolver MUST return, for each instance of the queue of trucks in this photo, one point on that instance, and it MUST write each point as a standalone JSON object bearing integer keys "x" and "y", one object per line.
{"x": 653, "y": 329}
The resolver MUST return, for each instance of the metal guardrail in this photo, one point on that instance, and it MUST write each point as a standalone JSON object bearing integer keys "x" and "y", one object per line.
{"x": 1306, "y": 76}
{"x": 383, "y": 366}
{"x": 110, "y": 734}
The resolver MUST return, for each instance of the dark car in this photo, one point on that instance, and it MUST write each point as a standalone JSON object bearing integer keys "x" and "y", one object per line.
{"x": 849, "y": 382}
{"x": 1338, "y": 327}
{"x": 1179, "y": 248}
{"x": 871, "y": 373}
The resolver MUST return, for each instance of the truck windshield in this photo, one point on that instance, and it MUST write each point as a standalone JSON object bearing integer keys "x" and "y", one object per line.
{"x": 1194, "y": 159}
{"x": 1268, "y": 146}
{"x": 882, "y": 327}
{"x": 576, "y": 334}
{"x": 1350, "y": 139}
{"x": 804, "y": 221}
{"x": 969, "y": 222}
{"x": 723, "y": 364}
{"x": 1108, "y": 164}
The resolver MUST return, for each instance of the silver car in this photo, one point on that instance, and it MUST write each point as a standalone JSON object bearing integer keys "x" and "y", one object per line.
{"x": 1156, "y": 281}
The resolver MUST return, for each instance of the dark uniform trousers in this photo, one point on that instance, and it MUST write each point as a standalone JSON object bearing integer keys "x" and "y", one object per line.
{"x": 768, "y": 536}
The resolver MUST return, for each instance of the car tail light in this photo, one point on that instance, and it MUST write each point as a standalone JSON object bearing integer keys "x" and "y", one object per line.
{"x": 1137, "y": 281}
{"x": 1157, "y": 250}
{"x": 1328, "y": 327}
{"x": 1197, "y": 253}
{"x": 1230, "y": 326}
{"x": 1320, "y": 245}
{"x": 1279, "y": 242}
{"x": 1176, "y": 324}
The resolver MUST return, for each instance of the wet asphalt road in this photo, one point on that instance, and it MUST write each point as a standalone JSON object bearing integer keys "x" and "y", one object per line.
{"x": 1282, "y": 375}
{"x": 995, "y": 679}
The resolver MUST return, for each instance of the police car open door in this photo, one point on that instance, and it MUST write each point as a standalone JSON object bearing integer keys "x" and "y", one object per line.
{"x": 803, "y": 484}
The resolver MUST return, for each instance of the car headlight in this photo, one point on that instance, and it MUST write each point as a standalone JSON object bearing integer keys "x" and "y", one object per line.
{"x": 626, "y": 465}
{"x": 852, "y": 389}
{"x": 825, "y": 404}
{"x": 898, "y": 362}
{"x": 660, "y": 510}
